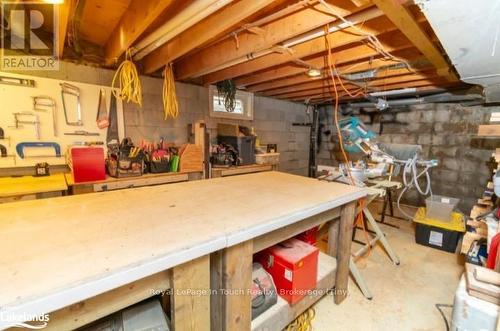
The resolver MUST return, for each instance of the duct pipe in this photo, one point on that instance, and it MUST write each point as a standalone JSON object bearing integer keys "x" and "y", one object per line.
{"x": 194, "y": 13}
{"x": 440, "y": 97}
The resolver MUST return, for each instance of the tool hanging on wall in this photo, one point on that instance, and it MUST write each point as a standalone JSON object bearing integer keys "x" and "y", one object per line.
{"x": 19, "y": 121}
{"x": 102, "y": 119}
{"x": 45, "y": 103}
{"x": 17, "y": 81}
{"x": 3, "y": 137}
{"x": 68, "y": 92}
{"x": 81, "y": 133}
{"x": 4, "y": 154}
{"x": 112, "y": 133}
{"x": 21, "y": 149}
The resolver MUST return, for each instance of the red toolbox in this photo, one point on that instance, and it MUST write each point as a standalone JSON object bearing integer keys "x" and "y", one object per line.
{"x": 87, "y": 164}
{"x": 310, "y": 236}
{"x": 294, "y": 267}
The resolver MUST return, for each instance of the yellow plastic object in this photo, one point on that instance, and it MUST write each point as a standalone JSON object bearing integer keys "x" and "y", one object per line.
{"x": 19, "y": 186}
{"x": 456, "y": 223}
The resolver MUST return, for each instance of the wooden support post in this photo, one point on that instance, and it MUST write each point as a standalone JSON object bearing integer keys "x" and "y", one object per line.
{"x": 333, "y": 236}
{"x": 344, "y": 251}
{"x": 236, "y": 283}
{"x": 191, "y": 295}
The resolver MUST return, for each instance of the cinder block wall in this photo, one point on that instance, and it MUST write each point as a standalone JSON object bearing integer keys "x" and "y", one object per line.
{"x": 272, "y": 118}
{"x": 448, "y": 133}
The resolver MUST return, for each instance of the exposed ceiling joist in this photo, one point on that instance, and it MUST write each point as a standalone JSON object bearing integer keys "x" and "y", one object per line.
{"x": 63, "y": 13}
{"x": 201, "y": 33}
{"x": 377, "y": 25}
{"x": 139, "y": 16}
{"x": 304, "y": 19}
{"x": 403, "y": 19}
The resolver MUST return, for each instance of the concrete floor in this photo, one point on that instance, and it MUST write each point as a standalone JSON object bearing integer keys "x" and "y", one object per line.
{"x": 404, "y": 295}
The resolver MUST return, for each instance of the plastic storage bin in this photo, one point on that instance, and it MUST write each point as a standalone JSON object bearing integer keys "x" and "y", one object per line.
{"x": 438, "y": 234}
{"x": 440, "y": 207}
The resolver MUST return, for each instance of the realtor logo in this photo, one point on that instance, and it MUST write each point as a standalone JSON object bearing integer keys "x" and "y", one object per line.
{"x": 29, "y": 37}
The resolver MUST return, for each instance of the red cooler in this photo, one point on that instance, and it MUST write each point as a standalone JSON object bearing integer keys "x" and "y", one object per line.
{"x": 294, "y": 267}
{"x": 87, "y": 164}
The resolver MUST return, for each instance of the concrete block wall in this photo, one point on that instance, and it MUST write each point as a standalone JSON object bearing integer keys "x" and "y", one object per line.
{"x": 447, "y": 132}
{"x": 272, "y": 118}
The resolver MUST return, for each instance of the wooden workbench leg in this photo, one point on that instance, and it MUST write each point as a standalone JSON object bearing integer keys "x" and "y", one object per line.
{"x": 344, "y": 251}
{"x": 333, "y": 236}
{"x": 191, "y": 295}
{"x": 236, "y": 281}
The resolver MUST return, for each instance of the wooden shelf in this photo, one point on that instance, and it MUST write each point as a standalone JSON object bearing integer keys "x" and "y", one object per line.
{"x": 281, "y": 314}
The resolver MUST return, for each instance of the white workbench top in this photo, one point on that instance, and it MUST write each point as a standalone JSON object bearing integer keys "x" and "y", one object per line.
{"x": 59, "y": 251}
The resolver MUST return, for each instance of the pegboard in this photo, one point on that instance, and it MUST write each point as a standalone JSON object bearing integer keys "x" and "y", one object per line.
{"x": 17, "y": 99}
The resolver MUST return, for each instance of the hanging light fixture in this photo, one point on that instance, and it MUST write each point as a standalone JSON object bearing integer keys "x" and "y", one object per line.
{"x": 313, "y": 72}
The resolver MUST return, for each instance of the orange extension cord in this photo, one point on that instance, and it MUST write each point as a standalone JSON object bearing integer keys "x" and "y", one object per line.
{"x": 331, "y": 69}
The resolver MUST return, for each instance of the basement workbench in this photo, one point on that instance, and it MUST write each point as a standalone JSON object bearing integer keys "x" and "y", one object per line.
{"x": 83, "y": 257}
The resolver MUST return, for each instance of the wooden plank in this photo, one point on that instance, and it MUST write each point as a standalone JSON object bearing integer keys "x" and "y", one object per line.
{"x": 127, "y": 235}
{"x": 404, "y": 20}
{"x": 240, "y": 170}
{"x": 140, "y": 181}
{"x": 216, "y": 284}
{"x": 63, "y": 19}
{"x": 314, "y": 47}
{"x": 489, "y": 130}
{"x": 344, "y": 251}
{"x": 139, "y": 16}
{"x": 87, "y": 311}
{"x": 333, "y": 228}
{"x": 271, "y": 34}
{"x": 237, "y": 281}
{"x": 277, "y": 236}
{"x": 281, "y": 314}
{"x": 199, "y": 34}
{"x": 191, "y": 295}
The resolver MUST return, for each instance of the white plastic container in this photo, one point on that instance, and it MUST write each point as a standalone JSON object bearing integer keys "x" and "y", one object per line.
{"x": 470, "y": 313}
{"x": 440, "y": 207}
{"x": 267, "y": 158}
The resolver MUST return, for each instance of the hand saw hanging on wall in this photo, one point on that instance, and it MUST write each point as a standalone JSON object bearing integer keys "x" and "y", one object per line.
{"x": 102, "y": 118}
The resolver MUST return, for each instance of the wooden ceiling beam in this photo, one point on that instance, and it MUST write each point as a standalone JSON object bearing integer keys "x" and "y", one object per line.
{"x": 404, "y": 20}
{"x": 304, "y": 19}
{"x": 303, "y": 80}
{"x": 139, "y": 16}
{"x": 201, "y": 33}
{"x": 315, "y": 46}
{"x": 383, "y": 82}
{"x": 63, "y": 19}
{"x": 437, "y": 83}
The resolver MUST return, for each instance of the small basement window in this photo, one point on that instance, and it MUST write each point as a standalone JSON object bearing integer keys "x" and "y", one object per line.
{"x": 242, "y": 111}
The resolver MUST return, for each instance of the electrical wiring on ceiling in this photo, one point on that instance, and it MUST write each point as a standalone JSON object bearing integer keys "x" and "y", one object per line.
{"x": 170, "y": 105}
{"x": 372, "y": 39}
{"x": 127, "y": 77}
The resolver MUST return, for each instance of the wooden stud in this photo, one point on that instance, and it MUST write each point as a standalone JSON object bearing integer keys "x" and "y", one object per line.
{"x": 404, "y": 20}
{"x": 190, "y": 309}
{"x": 236, "y": 281}
{"x": 344, "y": 251}
{"x": 139, "y": 16}
{"x": 333, "y": 235}
{"x": 203, "y": 32}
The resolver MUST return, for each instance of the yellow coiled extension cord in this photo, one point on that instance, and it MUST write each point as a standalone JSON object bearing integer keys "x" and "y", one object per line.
{"x": 303, "y": 322}
{"x": 170, "y": 105}
{"x": 129, "y": 82}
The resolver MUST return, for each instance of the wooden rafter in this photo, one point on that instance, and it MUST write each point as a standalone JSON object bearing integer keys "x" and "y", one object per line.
{"x": 297, "y": 80}
{"x": 315, "y": 46}
{"x": 63, "y": 17}
{"x": 139, "y": 16}
{"x": 269, "y": 35}
{"x": 381, "y": 83}
{"x": 384, "y": 76}
{"x": 404, "y": 20}
{"x": 203, "y": 32}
